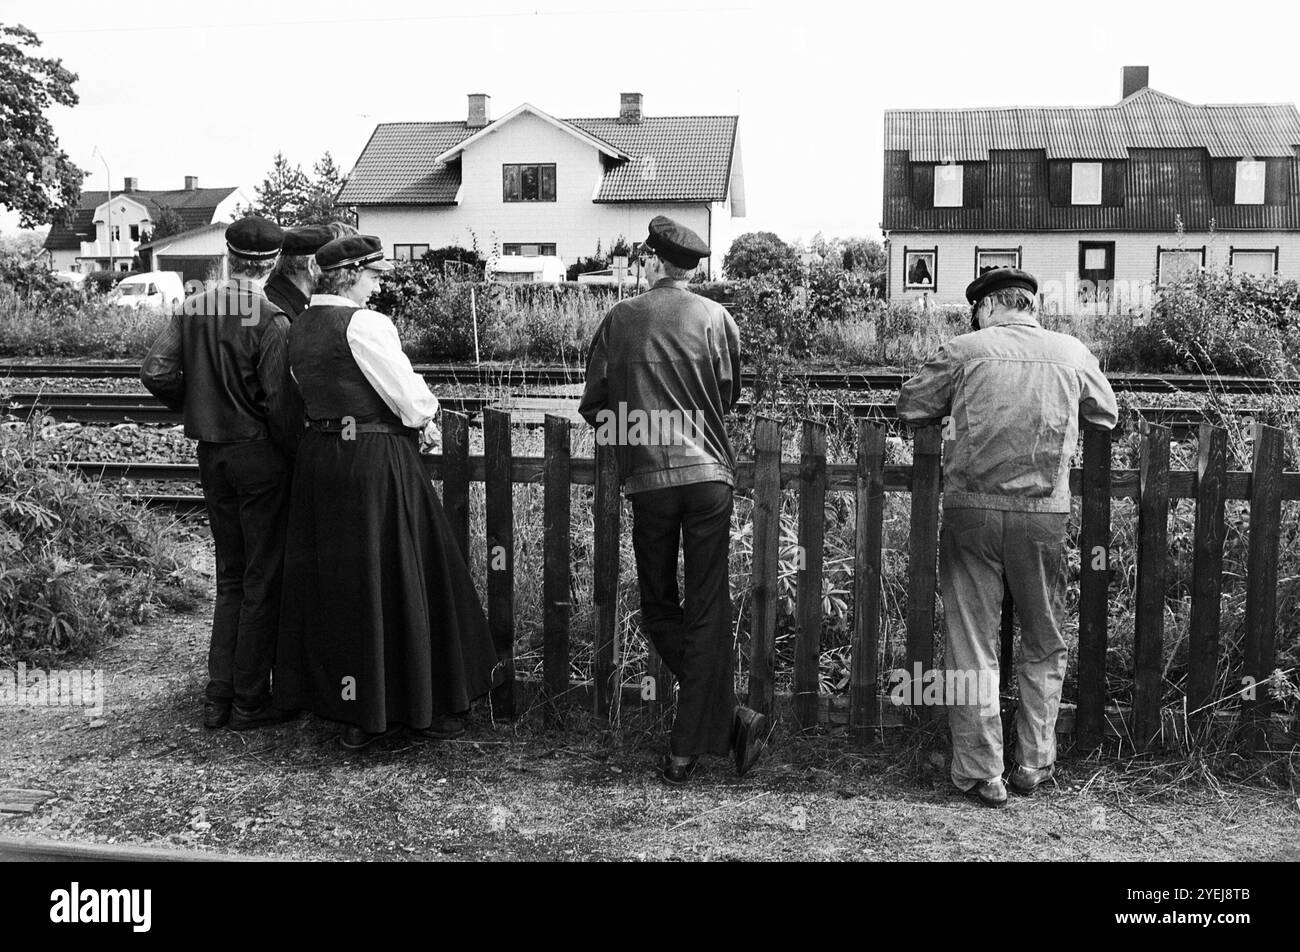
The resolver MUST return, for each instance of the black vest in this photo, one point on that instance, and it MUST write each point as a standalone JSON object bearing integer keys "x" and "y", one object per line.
{"x": 331, "y": 383}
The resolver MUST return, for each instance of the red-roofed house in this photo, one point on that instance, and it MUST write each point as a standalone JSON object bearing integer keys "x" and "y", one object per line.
{"x": 533, "y": 185}
{"x": 104, "y": 235}
{"x": 1087, "y": 199}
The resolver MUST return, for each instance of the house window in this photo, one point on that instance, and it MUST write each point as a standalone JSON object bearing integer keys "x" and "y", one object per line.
{"x": 1251, "y": 176}
{"x": 409, "y": 252}
{"x": 115, "y": 233}
{"x": 1179, "y": 264}
{"x": 986, "y": 259}
{"x": 920, "y": 269}
{"x": 528, "y": 183}
{"x": 135, "y": 232}
{"x": 527, "y": 249}
{"x": 1085, "y": 183}
{"x": 1261, "y": 264}
{"x": 948, "y": 186}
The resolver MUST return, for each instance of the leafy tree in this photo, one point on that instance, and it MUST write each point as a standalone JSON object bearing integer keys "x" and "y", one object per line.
{"x": 37, "y": 179}
{"x": 284, "y": 193}
{"x": 756, "y": 253}
{"x": 168, "y": 223}
{"x": 321, "y": 206}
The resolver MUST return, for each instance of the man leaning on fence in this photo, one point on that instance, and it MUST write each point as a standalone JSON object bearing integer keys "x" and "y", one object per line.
{"x": 1010, "y": 395}
{"x": 671, "y": 358}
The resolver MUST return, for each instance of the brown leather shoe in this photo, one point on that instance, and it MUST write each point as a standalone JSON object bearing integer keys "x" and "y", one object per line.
{"x": 1025, "y": 780}
{"x": 990, "y": 793}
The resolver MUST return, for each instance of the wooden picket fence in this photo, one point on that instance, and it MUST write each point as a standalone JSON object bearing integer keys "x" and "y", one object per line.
{"x": 869, "y": 478}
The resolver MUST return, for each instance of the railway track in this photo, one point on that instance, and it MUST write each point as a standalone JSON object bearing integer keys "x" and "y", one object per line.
{"x": 540, "y": 376}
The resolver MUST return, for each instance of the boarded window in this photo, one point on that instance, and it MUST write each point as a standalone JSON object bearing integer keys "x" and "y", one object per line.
{"x": 1277, "y": 185}
{"x": 1261, "y": 264}
{"x": 1179, "y": 265}
{"x": 1085, "y": 183}
{"x": 948, "y": 186}
{"x": 1251, "y": 177}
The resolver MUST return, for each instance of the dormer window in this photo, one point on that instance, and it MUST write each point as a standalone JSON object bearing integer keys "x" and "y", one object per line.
{"x": 948, "y": 186}
{"x": 1085, "y": 183}
{"x": 1251, "y": 176}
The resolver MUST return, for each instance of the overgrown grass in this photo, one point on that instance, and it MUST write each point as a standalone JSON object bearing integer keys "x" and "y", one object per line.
{"x": 77, "y": 565}
{"x": 91, "y": 329}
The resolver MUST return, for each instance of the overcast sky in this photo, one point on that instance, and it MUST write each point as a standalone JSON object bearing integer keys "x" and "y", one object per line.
{"x": 170, "y": 89}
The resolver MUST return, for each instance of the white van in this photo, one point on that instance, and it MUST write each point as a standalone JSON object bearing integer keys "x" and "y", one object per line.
{"x": 153, "y": 290}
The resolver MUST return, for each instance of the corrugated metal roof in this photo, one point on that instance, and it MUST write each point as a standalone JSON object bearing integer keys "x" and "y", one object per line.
{"x": 195, "y": 206}
{"x": 1148, "y": 119}
{"x": 674, "y": 158}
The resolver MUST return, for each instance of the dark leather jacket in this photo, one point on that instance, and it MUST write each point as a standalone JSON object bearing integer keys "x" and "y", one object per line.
{"x": 223, "y": 362}
{"x": 662, "y": 372}
{"x": 285, "y": 295}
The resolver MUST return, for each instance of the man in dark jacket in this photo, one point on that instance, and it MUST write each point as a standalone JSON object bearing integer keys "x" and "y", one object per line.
{"x": 663, "y": 370}
{"x": 223, "y": 362}
{"x": 293, "y": 279}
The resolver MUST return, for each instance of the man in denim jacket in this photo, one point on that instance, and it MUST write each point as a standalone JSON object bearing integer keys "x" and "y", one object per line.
{"x": 1011, "y": 395}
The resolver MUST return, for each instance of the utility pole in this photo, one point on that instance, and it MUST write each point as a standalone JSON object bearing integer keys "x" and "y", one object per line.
{"x": 108, "y": 184}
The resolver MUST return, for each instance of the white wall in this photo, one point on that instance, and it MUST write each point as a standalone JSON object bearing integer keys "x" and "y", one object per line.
{"x": 1053, "y": 257}
{"x": 573, "y": 222}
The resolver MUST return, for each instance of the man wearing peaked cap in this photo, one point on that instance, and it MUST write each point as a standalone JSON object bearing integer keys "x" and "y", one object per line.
{"x": 671, "y": 355}
{"x": 223, "y": 362}
{"x": 1009, "y": 396}
{"x": 294, "y": 279}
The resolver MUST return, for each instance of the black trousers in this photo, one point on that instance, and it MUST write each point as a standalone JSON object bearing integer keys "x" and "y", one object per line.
{"x": 694, "y": 641}
{"x": 246, "y": 487}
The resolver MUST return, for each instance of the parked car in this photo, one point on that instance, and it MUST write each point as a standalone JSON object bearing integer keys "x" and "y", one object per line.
{"x": 153, "y": 290}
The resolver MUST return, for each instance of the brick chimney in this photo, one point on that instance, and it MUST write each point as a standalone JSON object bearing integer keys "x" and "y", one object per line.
{"x": 1135, "y": 78}
{"x": 130, "y": 183}
{"x": 629, "y": 107}
{"x": 480, "y": 110}
{"x": 191, "y": 183}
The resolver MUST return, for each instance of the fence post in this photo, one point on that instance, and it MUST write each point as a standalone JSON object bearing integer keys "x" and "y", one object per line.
{"x": 455, "y": 476}
{"x": 1094, "y": 585}
{"x": 499, "y": 495}
{"x": 556, "y": 476}
{"x": 923, "y": 550}
{"x": 1261, "y": 571}
{"x": 864, "y": 707}
{"x": 1207, "y": 564}
{"x": 812, "y": 529}
{"x": 765, "y": 571}
{"x": 1152, "y": 560}
{"x": 608, "y": 511}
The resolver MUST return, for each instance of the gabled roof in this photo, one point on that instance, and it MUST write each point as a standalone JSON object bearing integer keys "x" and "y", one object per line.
{"x": 601, "y": 146}
{"x": 1148, "y": 119}
{"x": 195, "y": 206}
{"x": 667, "y": 159}
{"x": 183, "y": 235}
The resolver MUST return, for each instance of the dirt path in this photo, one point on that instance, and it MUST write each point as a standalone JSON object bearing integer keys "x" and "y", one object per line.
{"x": 147, "y": 773}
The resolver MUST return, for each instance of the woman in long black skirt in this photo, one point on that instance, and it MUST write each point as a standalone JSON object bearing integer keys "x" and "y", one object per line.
{"x": 381, "y": 626}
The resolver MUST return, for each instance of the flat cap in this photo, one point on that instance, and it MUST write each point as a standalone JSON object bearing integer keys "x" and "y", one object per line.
{"x": 999, "y": 279}
{"x": 254, "y": 238}
{"x": 355, "y": 249}
{"x": 675, "y": 242}
{"x": 307, "y": 239}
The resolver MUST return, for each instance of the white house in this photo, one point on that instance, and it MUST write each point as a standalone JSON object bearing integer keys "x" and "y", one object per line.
{"x": 107, "y": 231}
{"x": 529, "y": 184}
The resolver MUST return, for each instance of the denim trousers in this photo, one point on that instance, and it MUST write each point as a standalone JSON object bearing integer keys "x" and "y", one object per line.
{"x": 977, "y": 549}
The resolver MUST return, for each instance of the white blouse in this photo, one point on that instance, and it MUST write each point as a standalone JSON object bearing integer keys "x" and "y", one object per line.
{"x": 376, "y": 348}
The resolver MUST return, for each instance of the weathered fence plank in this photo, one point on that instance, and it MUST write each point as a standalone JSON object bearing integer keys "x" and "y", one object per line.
{"x": 607, "y": 516}
{"x": 863, "y": 669}
{"x": 1152, "y": 562}
{"x": 808, "y": 599}
{"x": 1094, "y": 585}
{"x": 1207, "y": 565}
{"x": 1007, "y": 637}
{"x": 500, "y": 518}
{"x": 766, "y": 563}
{"x": 556, "y": 579}
{"x": 923, "y": 548}
{"x": 1262, "y": 565}
{"x": 455, "y": 476}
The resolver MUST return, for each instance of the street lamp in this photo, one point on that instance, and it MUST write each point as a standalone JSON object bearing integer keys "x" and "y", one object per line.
{"x": 108, "y": 184}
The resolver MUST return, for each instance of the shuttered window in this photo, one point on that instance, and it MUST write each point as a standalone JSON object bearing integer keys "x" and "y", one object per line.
{"x": 923, "y": 185}
{"x": 1277, "y": 184}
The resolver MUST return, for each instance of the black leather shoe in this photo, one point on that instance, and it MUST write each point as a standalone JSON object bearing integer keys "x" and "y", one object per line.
{"x": 990, "y": 793}
{"x": 354, "y": 738}
{"x": 250, "y": 718}
{"x": 444, "y": 728}
{"x": 216, "y": 714}
{"x": 674, "y": 774}
{"x": 1025, "y": 780}
{"x": 748, "y": 738}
